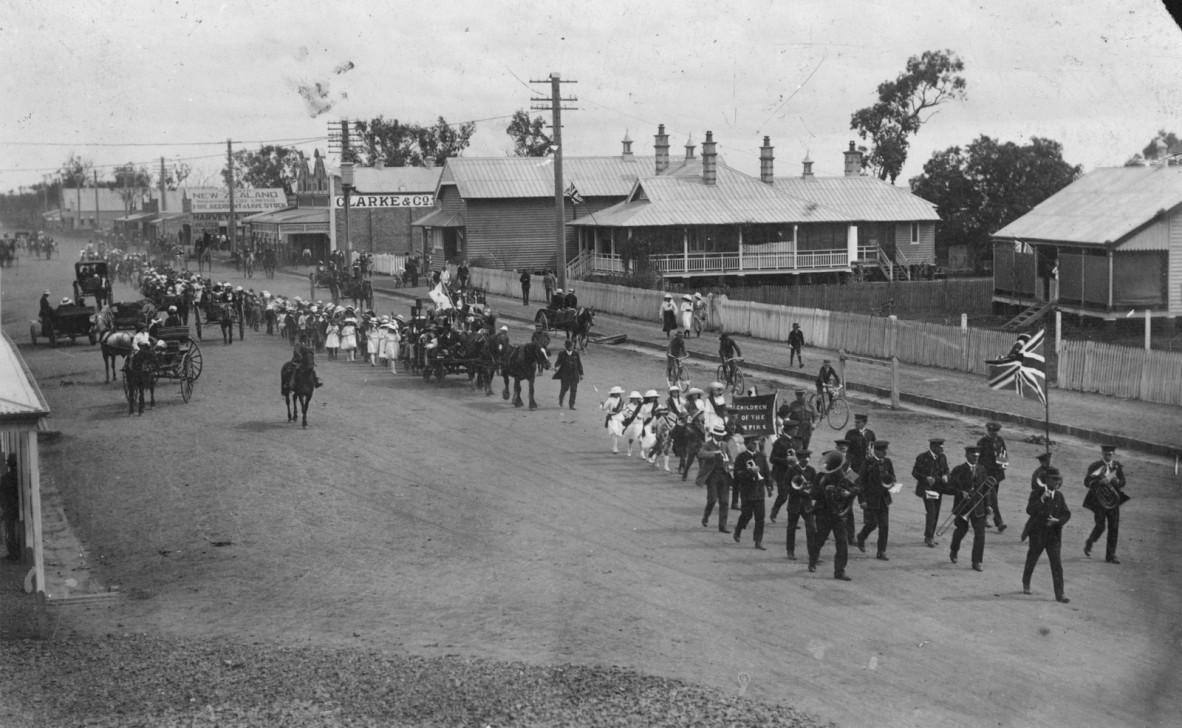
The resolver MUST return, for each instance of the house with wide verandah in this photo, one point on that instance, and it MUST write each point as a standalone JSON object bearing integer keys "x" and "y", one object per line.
{"x": 1107, "y": 244}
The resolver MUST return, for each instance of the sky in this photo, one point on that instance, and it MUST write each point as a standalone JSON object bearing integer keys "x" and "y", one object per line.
{"x": 136, "y": 80}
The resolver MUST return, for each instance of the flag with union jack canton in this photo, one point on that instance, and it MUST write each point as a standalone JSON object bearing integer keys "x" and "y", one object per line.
{"x": 572, "y": 194}
{"x": 1024, "y": 368}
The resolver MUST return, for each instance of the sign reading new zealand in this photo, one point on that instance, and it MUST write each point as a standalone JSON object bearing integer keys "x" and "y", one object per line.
{"x": 245, "y": 201}
{"x": 397, "y": 200}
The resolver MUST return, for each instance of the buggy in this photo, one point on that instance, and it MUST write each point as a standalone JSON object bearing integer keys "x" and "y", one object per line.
{"x": 91, "y": 279}
{"x": 68, "y": 320}
{"x": 179, "y": 359}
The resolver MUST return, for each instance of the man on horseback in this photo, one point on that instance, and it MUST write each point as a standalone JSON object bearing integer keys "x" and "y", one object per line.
{"x": 303, "y": 358}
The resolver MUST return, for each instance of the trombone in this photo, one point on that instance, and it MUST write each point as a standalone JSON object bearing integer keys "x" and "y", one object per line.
{"x": 976, "y": 495}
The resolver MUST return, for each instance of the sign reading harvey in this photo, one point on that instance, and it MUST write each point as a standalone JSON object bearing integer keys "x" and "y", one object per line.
{"x": 393, "y": 200}
{"x": 245, "y": 201}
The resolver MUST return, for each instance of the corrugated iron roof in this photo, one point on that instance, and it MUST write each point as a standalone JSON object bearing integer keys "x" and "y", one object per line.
{"x": 371, "y": 180}
{"x": 867, "y": 198}
{"x": 20, "y": 397}
{"x": 1100, "y": 208}
{"x": 501, "y": 177}
{"x": 440, "y": 218}
{"x": 680, "y": 197}
{"x": 292, "y": 215}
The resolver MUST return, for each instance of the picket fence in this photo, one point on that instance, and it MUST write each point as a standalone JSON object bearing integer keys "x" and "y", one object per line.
{"x": 1122, "y": 371}
{"x": 973, "y": 296}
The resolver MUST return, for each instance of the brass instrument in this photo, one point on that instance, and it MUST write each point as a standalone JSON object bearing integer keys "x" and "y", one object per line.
{"x": 979, "y": 493}
{"x": 798, "y": 483}
{"x": 1107, "y": 496}
{"x": 753, "y": 468}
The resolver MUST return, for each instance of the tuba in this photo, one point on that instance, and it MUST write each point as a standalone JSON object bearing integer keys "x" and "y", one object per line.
{"x": 1101, "y": 483}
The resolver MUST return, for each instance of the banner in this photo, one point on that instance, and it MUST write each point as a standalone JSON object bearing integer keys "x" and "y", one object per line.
{"x": 245, "y": 201}
{"x": 755, "y": 415}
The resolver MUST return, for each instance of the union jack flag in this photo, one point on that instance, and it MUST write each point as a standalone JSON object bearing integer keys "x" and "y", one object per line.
{"x": 1024, "y": 368}
{"x": 572, "y": 194}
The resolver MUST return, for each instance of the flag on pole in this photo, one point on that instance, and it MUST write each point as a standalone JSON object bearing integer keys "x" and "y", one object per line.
{"x": 441, "y": 298}
{"x": 572, "y": 194}
{"x": 1024, "y": 368}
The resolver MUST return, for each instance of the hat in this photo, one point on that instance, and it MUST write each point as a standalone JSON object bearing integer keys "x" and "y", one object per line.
{"x": 616, "y": 390}
{"x": 881, "y": 444}
{"x": 569, "y": 343}
{"x": 66, "y": 301}
{"x": 796, "y": 326}
{"x": 694, "y": 391}
{"x": 667, "y": 295}
{"x": 790, "y": 425}
{"x": 504, "y": 328}
{"x": 751, "y": 436}
{"x": 718, "y": 431}
{"x": 697, "y": 294}
{"x": 674, "y": 388}
{"x": 45, "y": 292}
{"x": 677, "y": 332}
{"x": 972, "y": 450}
{"x": 558, "y": 290}
{"x": 825, "y": 361}
{"x": 936, "y": 442}
{"x": 172, "y": 308}
{"x": 832, "y": 462}
{"x": 634, "y": 394}
{"x": 161, "y": 344}
{"x": 800, "y": 392}
{"x": 717, "y": 385}
{"x": 860, "y": 418}
{"x": 803, "y": 453}
{"x": 992, "y": 426}
{"x": 686, "y": 297}
{"x": 651, "y": 393}
{"x": 842, "y": 443}
{"x": 1044, "y": 457}
{"x": 1108, "y": 448}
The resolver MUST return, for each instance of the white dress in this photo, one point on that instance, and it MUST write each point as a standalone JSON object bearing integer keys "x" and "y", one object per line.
{"x": 332, "y": 338}
{"x": 374, "y": 339}
{"x": 393, "y": 339}
{"x": 612, "y": 405}
{"x": 687, "y": 315}
{"x": 348, "y": 337}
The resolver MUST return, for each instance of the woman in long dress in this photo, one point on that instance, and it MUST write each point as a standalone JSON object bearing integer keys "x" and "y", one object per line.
{"x": 614, "y": 405}
{"x": 687, "y": 314}
{"x": 374, "y": 340}
{"x": 393, "y": 342}
{"x": 668, "y": 315}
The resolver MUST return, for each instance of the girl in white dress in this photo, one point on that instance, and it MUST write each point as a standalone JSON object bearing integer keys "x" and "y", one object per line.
{"x": 375, "y": 338}
{"x": 393, "y": 341}
{"x": 613, "y": 405}
{"x": 630, "y": 421}
{"x": 332, "y": 338}
{"x": 349, "y": 338}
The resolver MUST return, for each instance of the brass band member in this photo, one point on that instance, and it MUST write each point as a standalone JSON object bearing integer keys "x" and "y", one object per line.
{"x": 1038, "y": 477}
{"x": 1105, "y": 481}
{"x": 753, "y": 480}
{"x": 966, "y": 483}
{"x": 878, "y": 475}
{"x": 993, "y": 459}
{"x": 782, "y": 458}
{"x": 798, "y": 482}
{"x": 1048, "y": 513}
{"x": 712, "y": 474}
{"x": 931, "y": 477}
{"x": 838, "y": 488}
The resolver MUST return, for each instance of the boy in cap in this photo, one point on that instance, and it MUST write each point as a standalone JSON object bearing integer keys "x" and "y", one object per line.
{"x": 877, "y": 477}
{"x": 965, "y": 484}
{"x": 827, "y": 376}
{"x": 1048, "y": 513}
{"x": 931, "y": 477}
{"x": 1104, "y": 478}
{"x": 712, "y": 474}
{"x": 994, "y": 459}
{"x": 754, "y": 482}
{"x": 795, "y": 344}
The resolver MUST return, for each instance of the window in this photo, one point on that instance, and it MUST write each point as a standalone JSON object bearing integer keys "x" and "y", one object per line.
{"x": 915, "y": 233}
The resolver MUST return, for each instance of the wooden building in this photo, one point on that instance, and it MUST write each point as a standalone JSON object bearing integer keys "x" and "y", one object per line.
{"x": 1105, "y": 245}
{"x": 382, "y": 207}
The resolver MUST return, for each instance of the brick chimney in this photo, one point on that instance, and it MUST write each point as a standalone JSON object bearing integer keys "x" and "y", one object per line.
{"x": 627, "y": 144}
{"x": 766, "y": 174}
{"x": 808, "y": 166}
{"x": 661, "y": 145}
{"x": 853, "y": 162}
{"x": 690, "y": 147}
{"x": 709, "y": 160}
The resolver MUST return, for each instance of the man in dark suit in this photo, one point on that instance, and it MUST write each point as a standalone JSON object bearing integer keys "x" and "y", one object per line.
{"x": 570, "y": 300}
{"x": 525, "y": 281}
{"x": 994, "y": 459}
{"x": 878, "y": 475}
{"x": 1105, "y": 481}
{"x": 753, "y": 480}
{"x": 783, "y": 457}
{"x": 964, "y": 484}
{"x": 1048, "y": 513}
{"x": 568, "y": 369}
{"x": 861, "y": 442}
{"x": 931, "y": 475}
{"x": 798, "y": 482}
{"x": 1038, "y": 477}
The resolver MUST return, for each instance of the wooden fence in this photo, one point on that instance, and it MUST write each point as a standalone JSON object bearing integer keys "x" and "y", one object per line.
{"x": 973, "y": 296}
{"x": 1122, "y": 371}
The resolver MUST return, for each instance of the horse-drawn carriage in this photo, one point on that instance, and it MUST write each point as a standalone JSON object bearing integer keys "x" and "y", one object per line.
{"x": 173, "y": 355}
{"x": 576, "y": 322}
{"x": 220, "y": 313}
{"x": 91, "y": 278}
{"x": 69, "y": 320}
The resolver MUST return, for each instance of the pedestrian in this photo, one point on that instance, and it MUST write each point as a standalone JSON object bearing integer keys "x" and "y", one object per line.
{"x": 524, "y": 287}
{"x": 687, "y": 314}
{"x": 967, "y": 484}
{"x": 10, "y": 505}
{"x": 851, "y": 527}
{"x": 861, "y": 442}
{"x": 1048, "y": 514}
{"x": 782, "y": 457}
{"x": 549, "y": 283}
{"x": 349, "y": 336}
{"x": 462, "y": 274}
{"x": 332, "y": 338}
{"x": 795, "y": 344}
{"x": 712, "y": 474}
{"x": 668, "y": 315}
{"x": 994, "y": 459}
{"x": 754, "y": 482}
{"x": 568, "y": 369}
{"x": 799, "y": 480}
{"x": 931, "y": 478}
{"x": 1038, "y": 477}
{"x": 802, "y": 413}
{"x": 877, "y": 478}
{"x": 47, "y": 313}
{"x": 674, "y": 356}
{"x": 1105, "y": 481}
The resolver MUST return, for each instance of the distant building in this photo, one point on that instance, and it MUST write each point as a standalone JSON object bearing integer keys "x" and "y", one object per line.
{"x": 78, "y": 210}
{"x": 382, "y": 208}
{"x": 1105, "y": 245}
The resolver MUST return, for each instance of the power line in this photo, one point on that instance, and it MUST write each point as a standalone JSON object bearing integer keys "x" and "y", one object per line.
{"x": 142, "y": 163}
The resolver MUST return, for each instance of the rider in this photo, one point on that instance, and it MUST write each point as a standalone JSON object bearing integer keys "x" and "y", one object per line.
{"x": 141, "y": 336}
{"x": 827, "y": 375}
{"x": 728, "y": 351}
{"x": 570, "y": 300}
{"x": 557, "y": 299}
{"x": 303, "y": 358}
{"x": 676, "y": 352}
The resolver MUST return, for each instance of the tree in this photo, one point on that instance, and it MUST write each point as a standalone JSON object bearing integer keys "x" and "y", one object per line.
{"x": 76, "y": 170}
{"x": 904, "y": 105}
{"x": 406, "y": 145}
{"x": 528, "y": 138}
{"x": 982, "y": 188}
{"x": 269, "y": 166}
{"x": 175, "y": 177}
{"x": 130, "y": 182}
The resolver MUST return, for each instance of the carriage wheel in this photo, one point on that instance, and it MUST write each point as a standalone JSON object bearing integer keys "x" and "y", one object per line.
{"x": 194, "y": 357}
{"x": 197, "y": 321}
{"x": 186, "y": 389}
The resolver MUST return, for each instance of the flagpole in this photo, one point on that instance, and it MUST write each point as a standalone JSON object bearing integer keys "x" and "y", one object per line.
{"x": 1047, "y": 422}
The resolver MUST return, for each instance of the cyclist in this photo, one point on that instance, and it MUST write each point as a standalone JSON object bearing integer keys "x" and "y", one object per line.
{"x": 827, "y": 376}
{"x": 676, "y": 352}
{"x": 728, "y": 351}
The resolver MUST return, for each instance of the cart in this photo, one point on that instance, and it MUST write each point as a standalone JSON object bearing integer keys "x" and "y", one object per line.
{"x": 91, "y": 278}
{"x": 179, "y": 360}
{"x": 68, "y": 321}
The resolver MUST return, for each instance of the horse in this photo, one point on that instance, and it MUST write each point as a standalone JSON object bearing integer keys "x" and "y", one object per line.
{"x": 478, "y": 350}
{"x": 523, "y": 362}
{"x": 581, "y": 328}
{"x": 112, "y": 343}
{"x": 139, "y": 373}
{"x": 298, "y": 380}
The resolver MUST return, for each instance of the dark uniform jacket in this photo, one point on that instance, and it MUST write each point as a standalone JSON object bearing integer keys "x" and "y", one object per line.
{"x": 712, "y": 468}
{"x": 1040, "y": 507}
{"x": 1038, "y": 478}
{"x": 1095, "y": 477}
{"x": 751, "y": 486}
{"x": 993, "y": 449}
{"x": 878, "y": 474}
{"x": 568, "y": 366}
{"x": 962, "y": 482}
{"x": 779, "y": 457}
{"x": 839, "y": 493}
{"x": 929, "y": 464}
{"x": 861, "y": 443}
{"x": 796, "y": 338}
{"x": 570, "y": 301}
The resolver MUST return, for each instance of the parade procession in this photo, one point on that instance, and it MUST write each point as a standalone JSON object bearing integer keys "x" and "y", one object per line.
{"x": 543, "y": 364}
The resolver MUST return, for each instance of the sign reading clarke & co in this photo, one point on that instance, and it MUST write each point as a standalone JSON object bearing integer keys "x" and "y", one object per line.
{"x": 395, "y": 200}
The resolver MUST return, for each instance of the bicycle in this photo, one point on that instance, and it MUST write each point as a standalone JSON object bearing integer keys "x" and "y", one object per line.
{"x": 832, "y": 406}
{"x": 678, "y": 374}
{"x": 732, "y": 376}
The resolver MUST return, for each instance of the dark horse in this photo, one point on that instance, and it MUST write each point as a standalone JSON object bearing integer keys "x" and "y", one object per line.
{"x": 478, "y": 350}
{"x": 298, "y": 378}
{"x": 139, "y": 373}
{"x": 584, "y": 320}
{"x": 523, "y": 362}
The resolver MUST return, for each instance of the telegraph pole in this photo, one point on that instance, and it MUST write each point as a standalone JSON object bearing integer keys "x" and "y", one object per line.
{"x": 230, "y": 183}
{"x": 346, "y": 188}
{"x": 555, "y": 106}
{"x": 97, "y": 219}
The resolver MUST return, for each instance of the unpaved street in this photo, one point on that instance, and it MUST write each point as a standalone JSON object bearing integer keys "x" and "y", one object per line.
{"x": 430, "y": 519}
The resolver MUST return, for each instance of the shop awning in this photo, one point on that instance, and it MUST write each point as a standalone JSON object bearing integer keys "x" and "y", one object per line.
{"x": 440, "y": 218}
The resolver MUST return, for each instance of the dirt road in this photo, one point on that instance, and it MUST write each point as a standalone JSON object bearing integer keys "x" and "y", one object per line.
{"x": 430, "y": 519}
